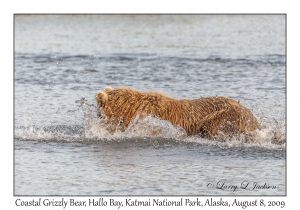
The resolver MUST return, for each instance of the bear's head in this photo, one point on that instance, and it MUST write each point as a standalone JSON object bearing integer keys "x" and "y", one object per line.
{"x": 102, "y": 97}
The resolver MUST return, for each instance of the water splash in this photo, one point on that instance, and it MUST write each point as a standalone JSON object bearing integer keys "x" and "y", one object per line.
{"x": 94, "y": 128}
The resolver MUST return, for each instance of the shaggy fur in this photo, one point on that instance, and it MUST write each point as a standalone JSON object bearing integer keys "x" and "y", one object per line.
{"x": 205, "y": 116}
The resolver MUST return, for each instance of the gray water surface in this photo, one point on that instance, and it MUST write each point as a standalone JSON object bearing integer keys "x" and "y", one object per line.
{"x": 60, "y": 59}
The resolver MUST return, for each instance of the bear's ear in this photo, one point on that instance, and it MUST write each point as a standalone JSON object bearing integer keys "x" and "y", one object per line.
{"x": 108, "y": 89}
{"x": 101, "y": 98}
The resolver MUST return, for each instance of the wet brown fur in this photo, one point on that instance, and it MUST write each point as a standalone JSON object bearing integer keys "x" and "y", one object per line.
{"x": 204, "y": 116}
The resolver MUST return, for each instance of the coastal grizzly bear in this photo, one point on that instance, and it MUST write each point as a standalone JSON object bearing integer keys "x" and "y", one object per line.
{"x": 204, "y": 116}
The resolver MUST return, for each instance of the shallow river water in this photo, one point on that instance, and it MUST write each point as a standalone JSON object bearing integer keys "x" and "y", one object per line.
{"x": 60, "y": 59}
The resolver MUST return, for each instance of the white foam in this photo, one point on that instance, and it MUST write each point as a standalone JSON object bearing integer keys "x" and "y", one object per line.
{"x": 271, "y": 136}
{"x": 150, "y": 127}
